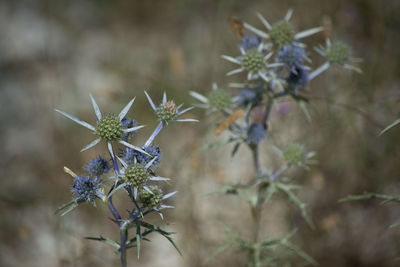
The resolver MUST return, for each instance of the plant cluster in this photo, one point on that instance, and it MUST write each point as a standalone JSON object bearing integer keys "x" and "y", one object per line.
{"x": 276, "y": 65}
{"x": 130, "y": 169}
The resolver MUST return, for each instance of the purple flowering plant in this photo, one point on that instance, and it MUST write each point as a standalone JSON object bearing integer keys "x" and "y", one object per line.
{"x": 132, "y": 171}
{"x": 276, "y": 65}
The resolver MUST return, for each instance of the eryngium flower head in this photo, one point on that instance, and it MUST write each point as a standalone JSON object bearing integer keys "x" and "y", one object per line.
{"x": 294, "y": 153}
{"x": 129, "y": 156}
{"x": 256, "y": 133}
{"x": 109, "y": 128}
{"x": 282, "y": 33}
{"x": 154, "y": 151}
{"x": 292, "y": 56}
{"x": 85, "y": 188}
{"x": 151, "y": 200}
{"x": 136, "y": 174}
{"x": 253, "y": 60}
{"x": 250, "y": 42}
{"x": 298, "y": 78}
{"x": 247, "y": 96}
{"x": 97, "y": 166}
{"x": 219, "y": 99}
{"x": 337, "y": 52}
{"x": 167, "y": 111}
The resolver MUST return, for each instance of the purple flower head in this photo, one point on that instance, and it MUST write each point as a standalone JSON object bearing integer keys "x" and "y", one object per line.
{"x": 97, "y": 166}
{"x": 298, "y": 79}
{"x": 256, "y": 133}
{"x": 250, "y": 42}
{"x": 130, "y": 155}
{"x": 292, "y": 56}
{"x": 86, "y": 188}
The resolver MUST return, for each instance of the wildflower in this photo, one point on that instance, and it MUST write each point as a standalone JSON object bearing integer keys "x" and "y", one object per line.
{"x": 168, "y": 111}
{"x": 292, "y": 56}
{"x": 282, "y": 32}
{"x": 153, "y": 151}
{"x": 298, "y": 79}
{"x": 108, "y": 128}
{"x": 256, "y": 133}
{"x": 294, "y": 153}
{"x": 136, "y": 174}
{"x": 151, "y": 200}
{"x": 337, "y": 53}
{"x": 250, "y": 42}
{"x": 218, "y": 99}
{"x": 248, "y": 96}
{"x": 85, "y": 188}
{"x": 154, "y": 198}
{"x": 97, "y": 166}
{"x": 253, "y": 61}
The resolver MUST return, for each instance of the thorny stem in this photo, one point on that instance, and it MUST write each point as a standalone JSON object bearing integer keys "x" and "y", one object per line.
{"x": 256, "y": 209}
{"x": 117, "y": 216}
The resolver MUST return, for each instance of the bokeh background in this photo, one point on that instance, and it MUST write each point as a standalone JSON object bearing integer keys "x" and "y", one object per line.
{"x": 54, "y": 53}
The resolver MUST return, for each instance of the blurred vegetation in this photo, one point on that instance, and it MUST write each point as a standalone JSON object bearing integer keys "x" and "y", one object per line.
{"x": 53, "y": 53}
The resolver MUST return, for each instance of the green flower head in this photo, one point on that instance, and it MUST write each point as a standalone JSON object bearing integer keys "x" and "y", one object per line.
{"x": 294, "y": 153}
{"x": 220, "y": 99}
{"x": 282, "y": 33}
{"x": 167, "y": 111}
{"x": 337, "y": 52}
{"x": 109, "y": 128}
{"x": 253, "y": 60}
{"x": 151, "y": 200}
{"x": 136, "y": 174}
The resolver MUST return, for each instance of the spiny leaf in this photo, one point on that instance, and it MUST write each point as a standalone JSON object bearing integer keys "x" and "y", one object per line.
{"x": 367, "y": 195}
{"x": 68, "y": 206}
{"x": 235, "y": 149}
{"x": 216, "y": 144}
{"x": 105, "y": 240}
{"x": 293, "y": 198}
{"x": 395, "y": 224}
{"x": 217, "y": 251}
{"x": 396, "y": 122}
{"x": 303, "y": 107}
{"x": 299, "y": 252}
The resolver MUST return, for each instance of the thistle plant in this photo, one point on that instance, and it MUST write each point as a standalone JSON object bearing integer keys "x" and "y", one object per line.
{"x": 276, "y": 65}
{"x": 129, "y": 169}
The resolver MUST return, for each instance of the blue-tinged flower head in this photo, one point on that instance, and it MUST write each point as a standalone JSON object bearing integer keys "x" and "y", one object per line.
{"x": 298, "y": 79}
{"x": 249, "y": 96}
{"x": 292, "y": 56}
{"x": 250, "y": 42}
{"x": 129, "y": 156}
{"x": 256, "y": 133}
{"x": 86, "y": 188}
{"x": 97, "y": 166}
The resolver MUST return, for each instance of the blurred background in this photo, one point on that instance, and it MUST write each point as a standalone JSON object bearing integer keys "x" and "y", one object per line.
{"x": 54, "y": 53}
